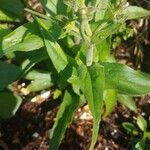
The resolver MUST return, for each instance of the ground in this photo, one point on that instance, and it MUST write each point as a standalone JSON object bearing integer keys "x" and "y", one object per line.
{"x": 29, "y": 128}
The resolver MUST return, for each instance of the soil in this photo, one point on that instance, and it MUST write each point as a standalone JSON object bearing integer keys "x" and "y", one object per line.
{"x": 29, "y": 128}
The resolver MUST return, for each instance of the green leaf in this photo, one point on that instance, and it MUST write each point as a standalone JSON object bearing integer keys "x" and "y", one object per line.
{"x": 63, "y": 118}
{"x": 75, "y": 81}
{"x": 104, "y": 30}
{"x": 11, "y": 10}
{"x": 135, "y": 12}
{"x": 83, "y": 74}
{"x": 40, "y": 80}
{"x": 126, "y": 80}
{"x": 92, "y": 85}
{"x": 56, "y": 54}
{"x": 73, "y": 4}
{"x": 9, "y": 104}
{"x": 54, "y": 7}
{"x": 110, "y": 97}
{"x": 129, "y": 127}
{"x": 95, "y": 99}
{"x": 57, "y": 93}
{"x": 24, "y": 38}
{"x": 103, "y": 50}
{"x": 8, "y": 73}
{"x": 7, "y": 17}
{"x": 29, "y": 59}
{"x": 101, "y": 8}
{"x": 127, "y": 101}
{"x": 141, "y": 122}
{"x": 140, "y": 145}
{"x": 3, "y": 32}
{"x": 52, "y": 27}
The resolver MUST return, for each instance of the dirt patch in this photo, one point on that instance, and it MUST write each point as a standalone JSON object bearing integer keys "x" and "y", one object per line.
{"x": 29, "y": 129}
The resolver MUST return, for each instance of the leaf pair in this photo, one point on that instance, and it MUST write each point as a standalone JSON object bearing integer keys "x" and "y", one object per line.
{"x": 141, "y": 143}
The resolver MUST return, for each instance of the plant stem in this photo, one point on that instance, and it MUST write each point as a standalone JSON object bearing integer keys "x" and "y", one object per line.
{"x": 37, "y": 14}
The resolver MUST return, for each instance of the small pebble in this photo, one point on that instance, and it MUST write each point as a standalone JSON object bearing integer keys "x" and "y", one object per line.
{"x": 35, "y": 135}
{"x": 76, "y": 117}
{"x": 23, "y": 84}
{"x": 106, "y": 148}
{"x": 143, "y": 114}
{"x": 114, "y": 132}
{"x": 79, "y": 110}
{"x": 86, "y": 116}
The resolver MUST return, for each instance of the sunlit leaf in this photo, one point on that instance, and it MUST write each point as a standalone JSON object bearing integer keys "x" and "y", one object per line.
{"x": 52, "y": 27}
{"x": 110, "y": 97}
{"x": 126, "y": 80}
{"x": 101, "y": 7}
{"x": 92, "y": 85}
{"x": 40, "y": 80}
{"x": 24, "y": 38}
{"x": 135, "y": 12}
{"x": 105, "y": 30}
{"x": 141, "y": 122}
{"x": 63, "y": 118}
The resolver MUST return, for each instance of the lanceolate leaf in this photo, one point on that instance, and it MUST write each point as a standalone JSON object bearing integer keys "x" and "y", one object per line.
{"x": 8, "y": 73}
{"x": 64, "y": 116}
{"x": 56, "y": 54}
{"x": 97, "y": 82}
{"x": 126, "y": 80}
{"x": 92, "y": 85}
{"x": 9, "y": 104}
{"x": 24, "y": 38}
{"x": 135, "y": 12}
